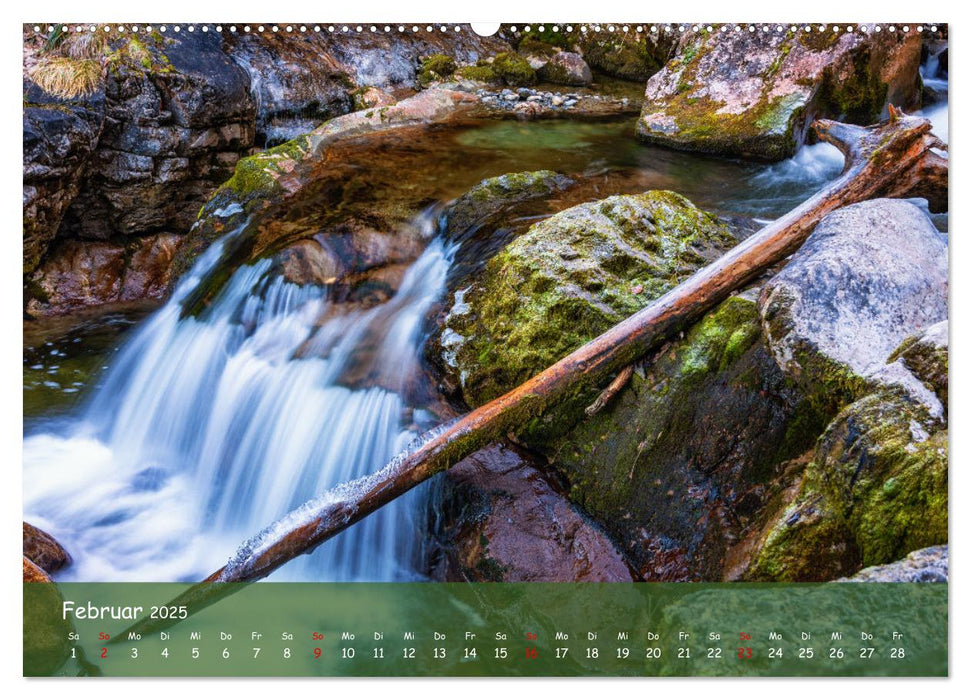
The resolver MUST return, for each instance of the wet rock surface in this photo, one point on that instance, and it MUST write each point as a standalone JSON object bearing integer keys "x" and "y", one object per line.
{"x": 505, "y": 521}
{"x": 43, "y": 551}
{"x": 82, "y": 273}
{"x": 753, "y": 94}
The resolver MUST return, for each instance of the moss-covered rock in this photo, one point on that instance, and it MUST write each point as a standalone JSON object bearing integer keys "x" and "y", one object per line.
{"x": 435, "y": 68}
{"x": 513, "y": 69}
{"x": 482, "y": 72}
{"x": 876, "y": 490}
{"x": 568, "y": 279}
{"x": 566, "y": 68}
{"x": 925, "y": 356}
{"x": 630, "y": 56}
{"x": 752, "y": 94}
{"x": 683, "y": 462}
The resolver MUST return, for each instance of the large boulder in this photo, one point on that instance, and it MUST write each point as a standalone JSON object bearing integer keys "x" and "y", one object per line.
{"x": 566, "y": 68}
{"x": 568, "y": 279}
{"x": 869, "y": 275}
{"x": 858, "y": 319}
{"x": 503, "y": 520}
{"x": 753, "y": 94}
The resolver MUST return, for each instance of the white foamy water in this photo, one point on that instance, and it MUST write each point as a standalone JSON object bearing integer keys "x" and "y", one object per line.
{"x": 207, "y": 429}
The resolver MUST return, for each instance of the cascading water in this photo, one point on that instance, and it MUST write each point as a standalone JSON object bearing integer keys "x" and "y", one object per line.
{"x": 208, "y": 428}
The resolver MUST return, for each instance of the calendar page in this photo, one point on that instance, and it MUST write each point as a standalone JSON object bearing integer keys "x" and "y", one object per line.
{"x": 525, "y": 349}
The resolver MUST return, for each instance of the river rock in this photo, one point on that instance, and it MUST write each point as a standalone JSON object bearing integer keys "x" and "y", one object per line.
{"x": 43, "y": 550}
{"x": 33, "y": 573}
{"x": 568, "y": 279}
{"x": 566, "y": 68}
{"x": 869, "y": 275}
{"x": 753, "y": 94}
{"x": 59, "y": 137}
{"x": 504, "y": 521}
{"x": 876, "y": 489}
{"x": 923, "y": 566}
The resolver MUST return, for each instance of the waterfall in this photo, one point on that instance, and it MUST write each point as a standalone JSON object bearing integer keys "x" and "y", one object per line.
{"x": 207, "y": 428}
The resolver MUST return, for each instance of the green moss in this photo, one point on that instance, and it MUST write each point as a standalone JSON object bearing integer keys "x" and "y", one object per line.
{"x": 857, "y": 98}
{"x": 876, "y": 490}
{"x": 534, "y": 37}
{"x": 435, "y": 68}
{"x": 513, "y": 69}
{"x": 819, "y": 41}
{"x": 532, "y": 46}
{"x": 571, "y": 277}
{"x": 719, "y": 340}
{"x": 255, "y": 176}
{"x": 479, "y": 73}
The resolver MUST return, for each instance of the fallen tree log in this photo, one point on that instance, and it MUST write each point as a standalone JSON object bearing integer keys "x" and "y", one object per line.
{"x": 880, "y": 160}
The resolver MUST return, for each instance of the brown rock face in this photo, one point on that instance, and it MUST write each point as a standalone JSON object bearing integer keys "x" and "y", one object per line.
{"x": 753, "y": 94}
{"x": 80, "y": 274}
{"x": 510, "y": 524}
{"x": 43, "y": 550}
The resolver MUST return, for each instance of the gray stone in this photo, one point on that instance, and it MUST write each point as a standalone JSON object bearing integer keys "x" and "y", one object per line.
{"x": 870, "y": 275}
{"x": 923, "y": 566}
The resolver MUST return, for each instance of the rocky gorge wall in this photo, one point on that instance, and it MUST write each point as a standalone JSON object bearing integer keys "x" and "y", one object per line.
{"x": 115, "y": 173}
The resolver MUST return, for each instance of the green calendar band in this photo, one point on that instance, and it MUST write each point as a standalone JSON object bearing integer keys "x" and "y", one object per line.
{"x": 531, "y": 629}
